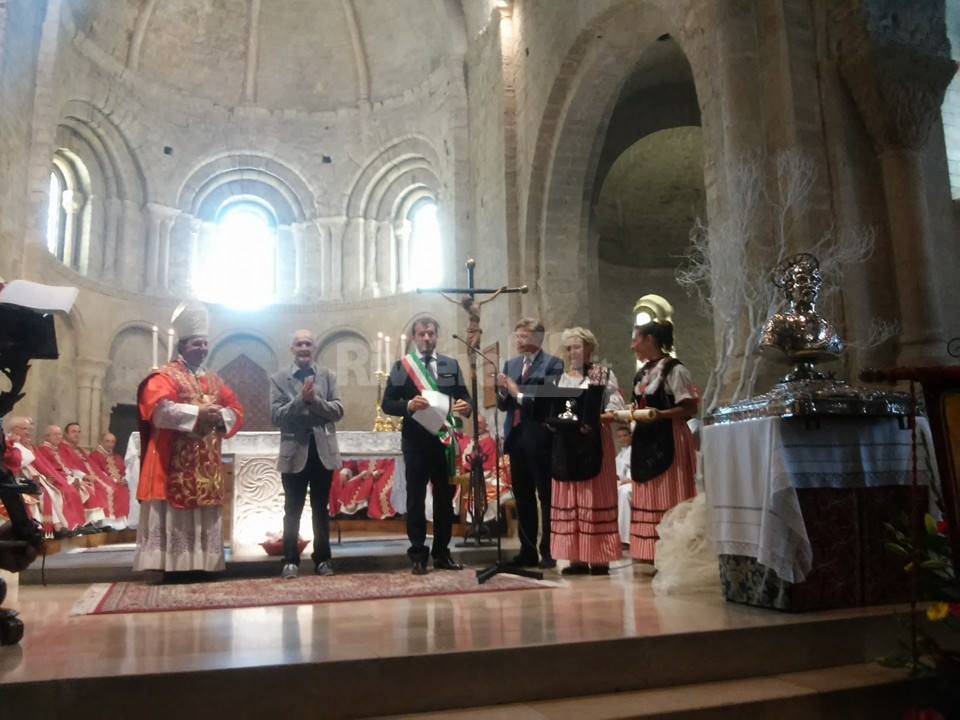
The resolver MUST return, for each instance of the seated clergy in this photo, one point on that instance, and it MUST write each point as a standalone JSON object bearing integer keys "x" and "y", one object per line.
{"x": 111, "y": 465}
{"x": 60, "y": 508}
{"x": 104, "y": 485}
{"x": 488, "y": 449}
{"x": 57, "y": 454}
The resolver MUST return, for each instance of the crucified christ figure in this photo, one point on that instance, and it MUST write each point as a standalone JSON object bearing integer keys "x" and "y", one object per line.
{"x": 472, "y": 306}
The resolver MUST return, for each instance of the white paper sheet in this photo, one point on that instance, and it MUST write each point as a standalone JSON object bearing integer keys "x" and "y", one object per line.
{"x": 37, "y": 296}
{"x": 433, "y": 417}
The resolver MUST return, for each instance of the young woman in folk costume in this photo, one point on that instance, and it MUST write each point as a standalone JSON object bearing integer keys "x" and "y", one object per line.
{"x": 584, "y": 516}
{"x": 663, "y": 458}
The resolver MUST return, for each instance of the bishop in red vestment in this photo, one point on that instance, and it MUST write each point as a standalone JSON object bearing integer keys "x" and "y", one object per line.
{"x": 185, "y": 412}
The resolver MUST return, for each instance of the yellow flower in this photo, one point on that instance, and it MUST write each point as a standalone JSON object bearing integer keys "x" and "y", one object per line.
{"x": 938, "y": 611}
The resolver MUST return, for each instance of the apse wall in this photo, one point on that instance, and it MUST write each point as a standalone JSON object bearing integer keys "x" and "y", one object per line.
{"x": 340, "y": 183}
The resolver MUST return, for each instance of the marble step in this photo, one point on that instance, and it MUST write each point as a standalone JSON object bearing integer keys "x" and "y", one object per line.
{"x": 853, "y": 692}
{"x": 469, "y": 678}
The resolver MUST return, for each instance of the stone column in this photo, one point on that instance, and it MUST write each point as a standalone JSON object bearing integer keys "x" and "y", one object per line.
{"x": 193, "y": 250}
{"x": 160, "y": 221}
{"x": 90, "y": 375}
{"x": 207, "y": 234}
{"x": 323, "y": 233}
{"x": 401, "y": 233}
{"x": 895, "y": 60}
{"x": 386, "y": 270}
{"x": 112, "y": 210}
{"x": 131, "y": 247}
{"x": 92, "y": 231}
{"x": 72, "y": 204}
{"x": 371, "y": 288}
{"x": 304, "y": 268}
{"x": 166, "y": 238}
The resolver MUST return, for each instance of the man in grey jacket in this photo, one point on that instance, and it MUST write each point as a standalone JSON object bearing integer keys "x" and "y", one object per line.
{"x": 305, "y": 405}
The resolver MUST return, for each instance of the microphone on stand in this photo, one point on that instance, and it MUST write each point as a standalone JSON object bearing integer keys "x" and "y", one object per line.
{"x": 473, "y": 349}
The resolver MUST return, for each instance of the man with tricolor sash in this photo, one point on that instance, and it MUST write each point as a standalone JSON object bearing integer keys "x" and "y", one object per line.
{"x": 427, "y": 390}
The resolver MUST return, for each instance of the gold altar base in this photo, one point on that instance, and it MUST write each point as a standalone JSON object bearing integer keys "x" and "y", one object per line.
{"x": 383, "y": 422}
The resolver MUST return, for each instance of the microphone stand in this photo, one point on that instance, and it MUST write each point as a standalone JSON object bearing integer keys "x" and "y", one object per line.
{"x": 500, "y": 566}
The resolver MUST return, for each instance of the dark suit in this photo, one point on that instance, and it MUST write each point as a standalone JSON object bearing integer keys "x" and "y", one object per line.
{"x": 424, "y": 458}
{"x": 528, "y": 443}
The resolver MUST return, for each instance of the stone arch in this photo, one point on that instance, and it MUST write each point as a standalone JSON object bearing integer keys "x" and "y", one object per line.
{"x": 128, "y": 181}
{"x": 236, "y": 342}
{"x": 348, "y": 353}
{"x": 217, "y": 180}
{"x": 556, "y": 245}
{"x": 130, "y": 359}
{"x": 110, "y": 207}
{"x": 375, "y": 243}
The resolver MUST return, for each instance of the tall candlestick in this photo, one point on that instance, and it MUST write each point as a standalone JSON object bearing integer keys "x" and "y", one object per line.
{"x": 156, "y": 331}
{"x": 387, "y": 354}
{"x": 379, "y": 352}
{"x": 170, "y": 345}
{"x": 402, "y": 349}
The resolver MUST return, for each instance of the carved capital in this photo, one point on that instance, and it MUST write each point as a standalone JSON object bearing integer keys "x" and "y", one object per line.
{"x": 895, "y": 60}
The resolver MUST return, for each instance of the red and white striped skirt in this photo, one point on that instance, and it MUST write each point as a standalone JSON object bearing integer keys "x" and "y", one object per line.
{"x": 653, "y": 498}
{"x": 583, "y": 519}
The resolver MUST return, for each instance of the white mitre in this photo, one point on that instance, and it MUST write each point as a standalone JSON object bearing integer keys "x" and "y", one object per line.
{"x": 190, "y": 319}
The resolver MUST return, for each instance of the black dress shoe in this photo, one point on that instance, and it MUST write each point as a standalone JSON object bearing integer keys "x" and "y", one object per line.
{"x": 576, "y": 569}
{"x": 446, "y": 563}
{"x": 547, "y": 563}
{"x": 419, "y": 567}
{"x": 523, "y": 561}
{"x": 599, "y": 569}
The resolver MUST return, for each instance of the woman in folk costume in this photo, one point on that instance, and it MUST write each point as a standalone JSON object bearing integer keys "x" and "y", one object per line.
{"x": 185, "y": 412}
{"x": 584, "y": 516}
{"x": 663, "y": 458}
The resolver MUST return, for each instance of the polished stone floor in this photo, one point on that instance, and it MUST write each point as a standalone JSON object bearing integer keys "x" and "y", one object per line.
{"x": 622, "y": 605}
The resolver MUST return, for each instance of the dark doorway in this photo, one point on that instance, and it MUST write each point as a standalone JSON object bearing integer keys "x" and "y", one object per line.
{"x": 123, "y": 421}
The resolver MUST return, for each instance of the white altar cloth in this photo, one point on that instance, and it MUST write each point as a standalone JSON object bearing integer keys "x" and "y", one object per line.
{"x": 753, "y": 467}
{"x": 257, "y": 490}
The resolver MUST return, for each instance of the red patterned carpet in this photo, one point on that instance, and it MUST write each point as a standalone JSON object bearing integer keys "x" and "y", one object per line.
{"x": 129, "y": 597}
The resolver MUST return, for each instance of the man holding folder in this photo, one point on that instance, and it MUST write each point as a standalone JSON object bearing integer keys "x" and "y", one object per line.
{"x": 426, "y": 389}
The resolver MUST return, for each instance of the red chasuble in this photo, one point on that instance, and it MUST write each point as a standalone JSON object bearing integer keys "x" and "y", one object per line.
{"x": 112, "y": 466}
{"x": 182, "y": 468}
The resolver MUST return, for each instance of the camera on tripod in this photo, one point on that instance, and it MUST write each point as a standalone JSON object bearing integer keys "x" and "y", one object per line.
{"x": 27, "y": 332}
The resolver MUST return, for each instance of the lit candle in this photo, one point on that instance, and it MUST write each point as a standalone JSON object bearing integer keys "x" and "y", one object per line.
{"x": 387, "y": 354}
{"x": 379, "y": 352}
{"x": 156, "y": 338}
{"x": 402, "y": 349}
{"x": 170, "y": 345}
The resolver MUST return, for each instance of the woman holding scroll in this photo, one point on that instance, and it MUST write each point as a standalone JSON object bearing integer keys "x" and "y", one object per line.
{"x": 584, "y": 514}
{"x": 663, "y": 459}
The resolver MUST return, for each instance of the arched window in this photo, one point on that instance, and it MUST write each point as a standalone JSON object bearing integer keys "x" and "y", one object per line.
{"x": 55, "y": 220}
{"x": 426, "y": 247}
{"x": 237, "y": 265}
{"x": 68, "y": 210}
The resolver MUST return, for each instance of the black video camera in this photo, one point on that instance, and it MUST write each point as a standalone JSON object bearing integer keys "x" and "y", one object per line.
{"x": 25, "y": 334}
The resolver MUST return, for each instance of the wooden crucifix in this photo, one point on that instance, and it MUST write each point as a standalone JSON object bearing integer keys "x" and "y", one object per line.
{"x": 467, "y": 298}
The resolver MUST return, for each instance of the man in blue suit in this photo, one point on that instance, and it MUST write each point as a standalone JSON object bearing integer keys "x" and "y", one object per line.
{"x": 527, "y": 441}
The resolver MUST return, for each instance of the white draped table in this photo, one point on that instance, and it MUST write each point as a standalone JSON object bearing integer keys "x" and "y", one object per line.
{"x": 753, "y": 468}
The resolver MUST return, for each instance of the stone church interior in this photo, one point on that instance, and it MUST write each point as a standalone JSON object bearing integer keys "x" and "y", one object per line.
{"x": 480, "y": 358}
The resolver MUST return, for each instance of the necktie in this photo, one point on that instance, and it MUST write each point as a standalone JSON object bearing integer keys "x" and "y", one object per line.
{"x": 524, "y": 376}
{"x": 427, "y": 363}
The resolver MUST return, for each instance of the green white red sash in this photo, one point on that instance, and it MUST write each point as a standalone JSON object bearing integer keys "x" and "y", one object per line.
{"x": 424, "y": 379}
